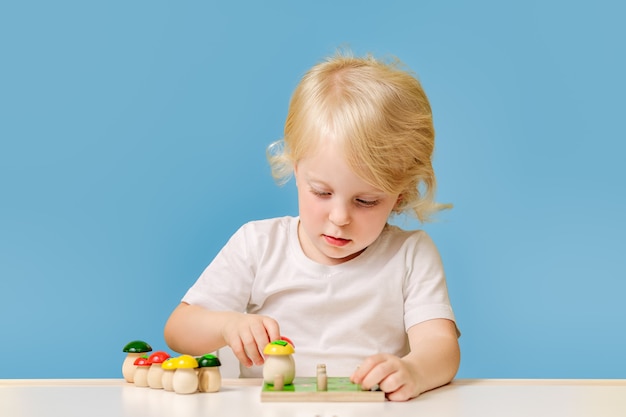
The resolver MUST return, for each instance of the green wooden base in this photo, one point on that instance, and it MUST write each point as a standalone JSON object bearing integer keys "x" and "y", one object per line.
{"x": 340, "y": 389}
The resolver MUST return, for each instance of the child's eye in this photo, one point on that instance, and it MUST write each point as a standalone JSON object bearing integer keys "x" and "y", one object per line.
{"x": 319, "y": 193}
{"x": 367, "y": 203}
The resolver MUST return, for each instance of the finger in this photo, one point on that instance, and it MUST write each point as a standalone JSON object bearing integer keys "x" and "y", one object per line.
{"x": 261, "y": 339}
{"x": 391, "y": 384}
{"x": 379, "y": 369}
{"x": 402, "y": 394}
{"x": 272, "y": 328}
{"x": 357, "y": 375}
{"x": 238, "y": 350}
{"x": 252, "y": 349}
{"x": 365, "y": 368}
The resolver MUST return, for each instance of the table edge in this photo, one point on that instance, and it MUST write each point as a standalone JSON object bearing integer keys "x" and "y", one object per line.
{"x": 251, "y": 382}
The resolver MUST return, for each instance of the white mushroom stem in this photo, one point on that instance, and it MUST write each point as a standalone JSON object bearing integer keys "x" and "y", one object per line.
{"x": 167, "y": 379}
{"x": 209, "y": 379}
{"x": 141, "y": 376}
{"x": 155, "y": 376}
{"x": 185, "y": 381}
{"x": 128, "y": 367}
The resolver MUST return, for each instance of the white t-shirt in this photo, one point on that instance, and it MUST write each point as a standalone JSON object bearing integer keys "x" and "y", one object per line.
{"x": 337, "y": 315}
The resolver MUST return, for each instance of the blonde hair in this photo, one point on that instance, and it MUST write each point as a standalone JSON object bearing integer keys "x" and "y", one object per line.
{"x": 382, "y": 116}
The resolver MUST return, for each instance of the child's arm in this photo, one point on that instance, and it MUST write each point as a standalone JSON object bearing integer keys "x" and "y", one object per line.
{"x": 433, "y": 361}
{"x": 195, "y": 330}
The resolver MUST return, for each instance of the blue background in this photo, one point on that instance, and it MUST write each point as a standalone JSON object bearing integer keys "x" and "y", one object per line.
{"x": 132, "y": 145}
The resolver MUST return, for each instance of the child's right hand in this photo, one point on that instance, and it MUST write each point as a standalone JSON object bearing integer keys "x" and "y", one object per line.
{"x": 247, "y": 335}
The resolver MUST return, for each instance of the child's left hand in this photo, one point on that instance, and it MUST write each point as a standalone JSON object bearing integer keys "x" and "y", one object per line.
{"x": 432, "y": 362}
{"x": 395, "y": 376}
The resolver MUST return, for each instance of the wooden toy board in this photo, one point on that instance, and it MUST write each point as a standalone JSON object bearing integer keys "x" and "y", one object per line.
{"x": 340, "y": 389}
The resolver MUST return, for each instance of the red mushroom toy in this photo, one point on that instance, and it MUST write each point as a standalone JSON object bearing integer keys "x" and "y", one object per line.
{"x": 141, "y": 372}
{"x": 155, "y": 373}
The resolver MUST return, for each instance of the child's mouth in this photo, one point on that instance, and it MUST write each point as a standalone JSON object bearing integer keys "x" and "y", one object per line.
{"x": 336, "y": 241}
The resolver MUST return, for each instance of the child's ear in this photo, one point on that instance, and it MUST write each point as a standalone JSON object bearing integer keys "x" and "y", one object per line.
{"x": 295, "y": 171}
{"x": 398, "y": 201}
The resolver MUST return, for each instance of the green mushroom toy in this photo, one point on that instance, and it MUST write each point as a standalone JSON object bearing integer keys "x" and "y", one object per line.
{"x": 209, "y": 376}
{"x": 134, "y": 350}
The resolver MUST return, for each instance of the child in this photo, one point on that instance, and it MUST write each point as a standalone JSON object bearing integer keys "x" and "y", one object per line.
{"x": 350, "y": 290}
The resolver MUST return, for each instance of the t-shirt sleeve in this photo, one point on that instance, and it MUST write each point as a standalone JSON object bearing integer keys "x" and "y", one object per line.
{"x": 225, "y": 284}
{"x": 425, "y": 289}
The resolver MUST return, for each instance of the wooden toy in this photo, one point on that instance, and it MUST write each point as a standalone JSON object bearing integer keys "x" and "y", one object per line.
{"x": 305, "y": 389}
{"x": 279, "y": 382}
{"x": 134, "y": 349}
{"x": 140, "y": 377}
{"x": 155, "y": 373}
{"x": 209, "y": 376}
{"x": 279, "y": 361}
{"x": 167, "y": 378}
{"x": 185, "y": 379}
{"x": 322, "y": 378}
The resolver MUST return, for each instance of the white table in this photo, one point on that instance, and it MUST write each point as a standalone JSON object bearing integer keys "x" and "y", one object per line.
{"x": 465, "y": 397}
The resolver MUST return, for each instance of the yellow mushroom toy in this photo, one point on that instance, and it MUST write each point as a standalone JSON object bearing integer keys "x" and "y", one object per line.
{"x": 185, "y": 379}
{"x": 279, "y": 367}
{"x": 167, "y": 379}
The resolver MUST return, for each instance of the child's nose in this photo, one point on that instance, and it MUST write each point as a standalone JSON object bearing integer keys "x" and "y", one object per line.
{"x": 339, "y": 215}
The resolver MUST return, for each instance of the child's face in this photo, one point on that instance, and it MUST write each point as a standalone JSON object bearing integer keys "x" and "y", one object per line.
{"x": 340, "y": 214}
